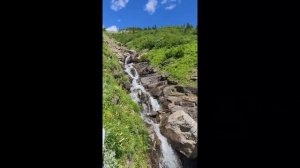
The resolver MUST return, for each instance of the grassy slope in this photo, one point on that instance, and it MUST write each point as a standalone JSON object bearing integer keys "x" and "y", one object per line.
{"x": 126, "y": 132}
{"x": 163, "y": 44}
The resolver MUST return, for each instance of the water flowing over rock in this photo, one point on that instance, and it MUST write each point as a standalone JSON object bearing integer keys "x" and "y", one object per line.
{"x": 181, "y": 130}
{"x": 166, "y": 157}
{"x": 169, "y": 111}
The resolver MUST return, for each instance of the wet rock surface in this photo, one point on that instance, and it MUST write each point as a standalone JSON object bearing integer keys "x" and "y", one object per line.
{"x": 155, "y": 148}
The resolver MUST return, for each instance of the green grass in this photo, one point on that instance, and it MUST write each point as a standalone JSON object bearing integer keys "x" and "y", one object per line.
{"x": 171, "y": 49}
{"x": 126, "y": 133}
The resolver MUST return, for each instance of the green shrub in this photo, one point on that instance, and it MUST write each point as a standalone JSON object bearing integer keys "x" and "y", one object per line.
{"x": 171, "y": 49}
{"x": 175, "y": 53}
{"x": 109, "y": 160}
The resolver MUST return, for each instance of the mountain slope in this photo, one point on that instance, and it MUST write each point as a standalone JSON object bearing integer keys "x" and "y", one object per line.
{"x": 169, "y": 49}
{"x": 126, "y": 133}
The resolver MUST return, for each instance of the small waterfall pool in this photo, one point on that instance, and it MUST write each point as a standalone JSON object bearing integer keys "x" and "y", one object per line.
{"x": 169, "y": 158}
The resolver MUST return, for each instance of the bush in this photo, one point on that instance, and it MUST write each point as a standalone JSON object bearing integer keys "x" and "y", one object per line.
{"x": 109, "y": 160}
{"x": 175, "y": 53}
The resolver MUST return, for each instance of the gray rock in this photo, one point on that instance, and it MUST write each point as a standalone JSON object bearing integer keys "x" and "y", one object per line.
{"x": 172, "y": 82}
{"x": 154, "y": 85}
{"x": 181, "y": 130}
{"x": 153, "y": 113}
{"x": 156, "y": 92}
{"x": 150, "y": 79}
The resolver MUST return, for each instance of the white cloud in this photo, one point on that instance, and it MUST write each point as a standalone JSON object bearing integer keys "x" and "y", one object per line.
{"x": 170, "y": 7}
{"x": 118, "y": 4}
{"x": 165, "y": 1}
{"x": 112, "y": 29}
{"x": 151, "y": 6}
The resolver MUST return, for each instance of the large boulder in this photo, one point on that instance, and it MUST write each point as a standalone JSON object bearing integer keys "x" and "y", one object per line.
{"x": 150, "y": 79}
{"x": 155, "y": 92}
{"x": 181, "y": 130}
{"x": 154, "y": 85}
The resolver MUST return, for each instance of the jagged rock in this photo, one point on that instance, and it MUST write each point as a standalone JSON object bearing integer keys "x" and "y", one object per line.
{"x": 181, "y": 130}
{"x": 156, "y": 92}
{"x": 173, "y": 91}
{"x": 140, "y": 66}
{"x": 153, "y": 113}
{"x": 150, "y": 79}
{"x": 172, "y": 82}
{"x": 168, "y": 90}
{"x": 165, "y": 76}
{"x": 192, "y": 112}
{"x": 154, "y": 85}
{"x": 131, "y": 51}
{"x": 161, "y": 116}
{"x": 134, "y": 58}
{"x": 143, "y": 68}
{"x": 193, "y": 90}
{"x": 155, "y": 152}
{"x": 173, "y": 108}
{"x": 165, "y": 104}
{"x": 173, "y": 99}
{"x": 190, "y": 98}
{"x": 188, "y": 104}
{"x": 184, "y": 103}
{"x": 180, "y": 89}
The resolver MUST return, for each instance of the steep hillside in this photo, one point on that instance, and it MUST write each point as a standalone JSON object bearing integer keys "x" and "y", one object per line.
{"x": 169, "y": 49}
{"x": 126, "y": 141}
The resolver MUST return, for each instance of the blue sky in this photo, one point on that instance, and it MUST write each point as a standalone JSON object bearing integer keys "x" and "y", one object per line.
{"x": 143, "y": 13}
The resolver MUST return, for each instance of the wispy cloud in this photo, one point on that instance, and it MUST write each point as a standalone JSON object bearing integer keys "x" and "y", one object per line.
{"x": 151, "y": 6}
{"x": 170, "y": 7}
{"x": 165, "y": 1}
{"x": 112, "y": 29}
{"x": 170, "y": 4}
{"x": 118, "y": 4}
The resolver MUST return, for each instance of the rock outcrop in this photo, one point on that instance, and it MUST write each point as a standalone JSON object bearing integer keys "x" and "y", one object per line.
{"x": 181, "y": 130}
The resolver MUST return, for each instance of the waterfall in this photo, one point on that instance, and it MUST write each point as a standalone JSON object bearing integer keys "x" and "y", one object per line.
{"x": 169, "y": 158}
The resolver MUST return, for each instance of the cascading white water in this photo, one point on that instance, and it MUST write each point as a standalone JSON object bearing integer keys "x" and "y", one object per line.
{"x": 169, "y": 158}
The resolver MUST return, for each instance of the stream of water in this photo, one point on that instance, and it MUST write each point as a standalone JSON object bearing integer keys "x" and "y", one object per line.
{"x": 169, "y": 158}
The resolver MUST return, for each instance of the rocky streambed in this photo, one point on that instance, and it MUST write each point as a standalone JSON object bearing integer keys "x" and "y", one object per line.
{"x": 169, "y": 110}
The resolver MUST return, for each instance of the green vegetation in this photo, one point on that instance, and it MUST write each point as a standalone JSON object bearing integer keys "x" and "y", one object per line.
{"x": 126, "y": 133}
{"x": 170, "y": 49}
